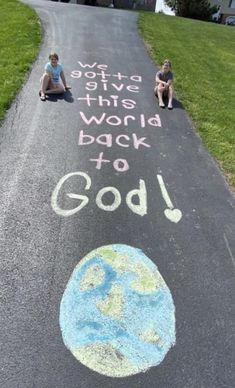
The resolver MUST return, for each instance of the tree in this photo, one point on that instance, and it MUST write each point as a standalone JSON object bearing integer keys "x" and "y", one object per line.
{"x": 195, "y": 9}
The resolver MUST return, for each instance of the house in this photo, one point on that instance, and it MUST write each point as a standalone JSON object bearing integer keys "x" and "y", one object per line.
{"x": 162, "y": 7}
{"x": 227, "y": 8}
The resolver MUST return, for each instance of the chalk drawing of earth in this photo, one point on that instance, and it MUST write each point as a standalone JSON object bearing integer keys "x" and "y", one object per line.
{"x": 117, "y": 314}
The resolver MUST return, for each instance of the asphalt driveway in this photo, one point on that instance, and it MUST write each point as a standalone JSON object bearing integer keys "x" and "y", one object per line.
{"x": 136, "y": 176}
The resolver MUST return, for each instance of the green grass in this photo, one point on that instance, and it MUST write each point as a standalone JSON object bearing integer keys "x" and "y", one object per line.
{"x": 20, "y": 37}
{"x": 203, "y": 60}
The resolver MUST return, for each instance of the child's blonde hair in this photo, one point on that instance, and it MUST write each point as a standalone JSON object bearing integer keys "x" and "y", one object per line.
{"x": 167, "y": 61}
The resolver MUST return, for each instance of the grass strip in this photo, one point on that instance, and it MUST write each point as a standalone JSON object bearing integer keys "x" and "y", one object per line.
{"x": 203, "y": 59}
{"x": 20, "y": 37}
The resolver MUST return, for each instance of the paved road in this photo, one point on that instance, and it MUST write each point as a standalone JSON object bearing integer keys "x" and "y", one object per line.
{"x": 184, "y": 220}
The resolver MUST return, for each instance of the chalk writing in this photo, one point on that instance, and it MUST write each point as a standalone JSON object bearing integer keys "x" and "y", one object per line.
{"x": 172, "y": 214}
{"x": 114, "y": 120}
{"x": 140, "y": 192}
{"x": 97, "y": 129}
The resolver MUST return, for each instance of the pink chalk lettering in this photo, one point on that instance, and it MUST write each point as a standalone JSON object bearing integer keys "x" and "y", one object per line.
{"x": 88, "y": 99}
{"x": 102, "y": 100}
{"x": 155, "y": 121}
{"x": 137, "y": 142}
{"x": 118, "y": 141}
{"x": 82, "y": 138}
{"x": 76, "y": 74}
{"x": 133, "y": 88}
{"x": 128, "y": 104}
{"x": 92, "y": 119}
{"x": 104, "y": 84}
{"x": 90, "y": 74}
{"x": 113, "y": 120}
{"x": 102, "y": 67}
{"x": 116, "y": 120}
{"x": 120, "y": 76}
{"x": 99, "y": 161}
{"x": 121, "y": 165}
{"x": 126, "y": 118}
{"x": 86, "y": 65}
{"x": 91, "y": 85}
{"x": 107, "y": 139}
{"x": 118, "y": 87}
{"x": 136, "y": 78}
{"x": 142, "y": 120}
{"x": 115, "y": 100}
{"x": 103, "y": 74}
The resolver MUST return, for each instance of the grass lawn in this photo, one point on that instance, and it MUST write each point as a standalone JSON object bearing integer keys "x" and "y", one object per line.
{"x": 20, "y": 37}
{"x": 203, "y": 61}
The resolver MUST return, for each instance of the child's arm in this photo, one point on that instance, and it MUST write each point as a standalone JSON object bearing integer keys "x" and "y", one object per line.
{"x": 48, "y": 71}
{"x": 62, "y": 76}
{"x": 159, "y": 81}
{"x": 169, "y": 82}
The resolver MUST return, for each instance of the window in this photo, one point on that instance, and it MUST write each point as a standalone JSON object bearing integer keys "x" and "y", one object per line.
{"x": 232, "y": 4}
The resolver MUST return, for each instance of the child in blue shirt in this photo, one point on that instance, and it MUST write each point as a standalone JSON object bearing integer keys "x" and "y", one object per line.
{"x": 50, "y": 81}
{"x": 164, "y": 88}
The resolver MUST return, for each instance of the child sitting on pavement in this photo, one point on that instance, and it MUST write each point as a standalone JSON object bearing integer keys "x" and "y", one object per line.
{"x": 164, "y": 88}
{"x": 50, "y": 81}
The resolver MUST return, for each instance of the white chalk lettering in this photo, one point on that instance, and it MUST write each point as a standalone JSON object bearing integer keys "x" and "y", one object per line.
{"x": 141, "y": 193}
{"x": 83, "y": 198}
{"x": 117, "y": 199}
{"x": 141, "y": 208}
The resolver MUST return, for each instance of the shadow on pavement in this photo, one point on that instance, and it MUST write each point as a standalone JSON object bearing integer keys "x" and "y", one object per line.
{"x": 67, "y": 96}
{"x": 176, "y": 103}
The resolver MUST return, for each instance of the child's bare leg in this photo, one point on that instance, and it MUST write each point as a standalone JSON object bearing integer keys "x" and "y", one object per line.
{"x": 55, "y": 89}
{"x": 45, "y": 81}
{"x": 160, "y": 90}
{"x": 170, "y": 97}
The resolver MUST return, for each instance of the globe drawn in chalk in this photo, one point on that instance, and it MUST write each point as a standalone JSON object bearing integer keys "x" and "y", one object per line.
{"x": 117, "y": 314}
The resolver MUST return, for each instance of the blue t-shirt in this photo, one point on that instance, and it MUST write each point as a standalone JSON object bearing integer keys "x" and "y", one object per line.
{"x": 54, "y": 71}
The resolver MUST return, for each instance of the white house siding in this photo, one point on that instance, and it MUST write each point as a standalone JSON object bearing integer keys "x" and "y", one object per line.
{"x": 162, "y": 7}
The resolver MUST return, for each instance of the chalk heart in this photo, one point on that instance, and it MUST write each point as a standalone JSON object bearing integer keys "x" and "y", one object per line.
{"x": 174, "y": 215}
